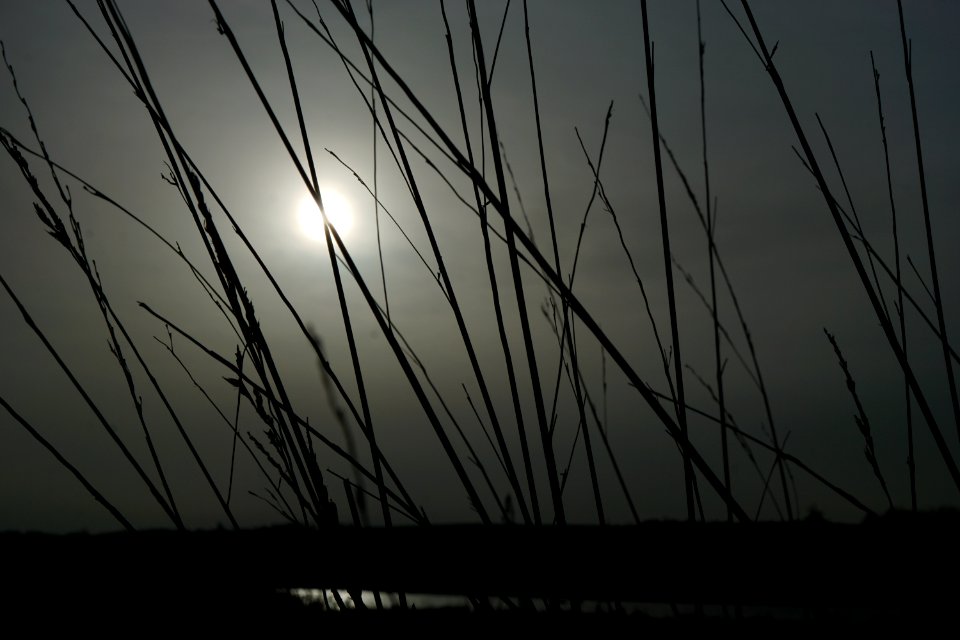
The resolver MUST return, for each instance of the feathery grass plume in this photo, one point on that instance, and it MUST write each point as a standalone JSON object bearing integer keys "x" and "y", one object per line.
{"x": 863, "y": 423}
{"x": 190, "y": 183}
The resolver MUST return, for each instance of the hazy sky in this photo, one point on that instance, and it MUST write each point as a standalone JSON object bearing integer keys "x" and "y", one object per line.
{"x": 779, "y": 245}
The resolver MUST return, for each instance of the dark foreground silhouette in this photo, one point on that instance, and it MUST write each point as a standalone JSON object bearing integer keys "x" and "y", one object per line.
{"x": 894, "y": 569}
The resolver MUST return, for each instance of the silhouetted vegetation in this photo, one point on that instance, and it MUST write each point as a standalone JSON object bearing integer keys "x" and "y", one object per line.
{"x": 511, "y": 468}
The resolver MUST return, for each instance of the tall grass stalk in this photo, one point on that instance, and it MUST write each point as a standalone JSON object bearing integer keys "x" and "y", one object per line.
{"x": 368, "y": 296}
{"x": 885, "y": 323}
{"x": 542, "y": 264}
{"x": 66, "y": 464}
{"x": 447, "y": 283}
{"x": 335, "y": 267}
{"x": 927, "y": 225}
{"x": 498, "y": 311}
{"x": 111, "y": 431}
{"x": 753, "y": 369}
{"x": 567, "y": 331}
{"x": 712, "y": 253}
{"x": 287, "y": 448}
{"x": 668, "y": 263}
{"x": 901, "y": 312}
{"x": 291, "y": 445}
{"x": 533, "y": 368}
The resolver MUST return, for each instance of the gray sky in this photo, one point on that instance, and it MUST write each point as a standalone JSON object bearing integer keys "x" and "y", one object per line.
{"x": 780, "y": 246}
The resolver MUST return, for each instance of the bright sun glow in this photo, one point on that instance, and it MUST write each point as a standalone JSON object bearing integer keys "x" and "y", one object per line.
{"x": 338, "y": 211}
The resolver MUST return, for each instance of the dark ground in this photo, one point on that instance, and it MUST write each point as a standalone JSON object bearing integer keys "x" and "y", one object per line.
{"x": 897, "y": 570}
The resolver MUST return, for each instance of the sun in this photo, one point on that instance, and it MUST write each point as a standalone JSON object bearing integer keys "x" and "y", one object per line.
{"x": 338, "y": 211}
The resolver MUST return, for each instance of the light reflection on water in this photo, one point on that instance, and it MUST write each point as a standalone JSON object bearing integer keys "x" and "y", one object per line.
{"x": 327, "y": 599}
